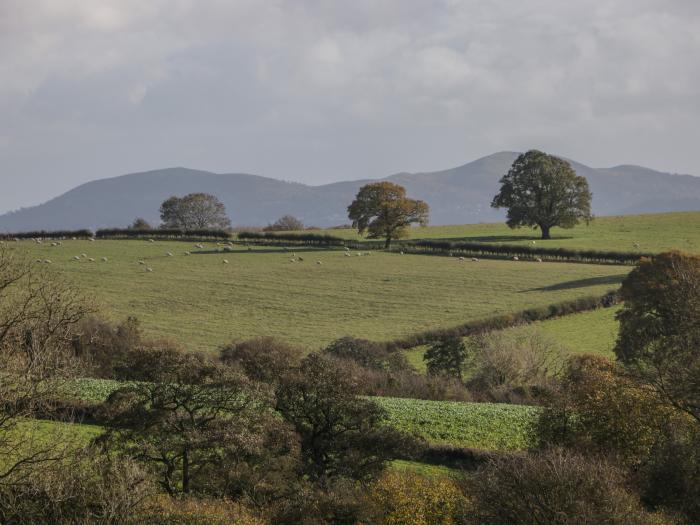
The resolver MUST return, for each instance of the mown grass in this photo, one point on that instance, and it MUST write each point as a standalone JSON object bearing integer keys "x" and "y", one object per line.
{"x": 203, "y": 303}
{"x": 484, "y": 426}
{"x": 653, "y": 233}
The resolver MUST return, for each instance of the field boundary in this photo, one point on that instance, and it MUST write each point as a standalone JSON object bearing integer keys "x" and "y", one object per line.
{"x": 503, "y": 321}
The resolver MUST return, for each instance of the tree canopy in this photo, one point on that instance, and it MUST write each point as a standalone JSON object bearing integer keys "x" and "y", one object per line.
{"x": 383, "y": 210}
{"x": 286, "y": 223}
{"x": 543, "y": 191}
{"x": 195, "y": 211}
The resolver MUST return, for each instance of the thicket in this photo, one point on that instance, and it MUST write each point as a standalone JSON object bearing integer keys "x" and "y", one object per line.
{"x": 161, "y": 233}
{"x": 43, "y": 234}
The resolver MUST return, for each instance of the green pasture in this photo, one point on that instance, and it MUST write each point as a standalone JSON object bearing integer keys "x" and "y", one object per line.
{"x": 653, "y": 233}
{"x": 203, "y": 302}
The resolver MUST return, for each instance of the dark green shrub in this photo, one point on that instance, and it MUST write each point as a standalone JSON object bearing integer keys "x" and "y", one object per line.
{"x": 262, "y": 358}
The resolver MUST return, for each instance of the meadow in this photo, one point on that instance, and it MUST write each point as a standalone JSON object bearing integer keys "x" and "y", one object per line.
{"x": 652, "y": 232}
{"x": 203, "y": 302}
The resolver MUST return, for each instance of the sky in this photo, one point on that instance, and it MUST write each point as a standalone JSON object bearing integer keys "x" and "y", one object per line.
{"x": 320, "y": 91}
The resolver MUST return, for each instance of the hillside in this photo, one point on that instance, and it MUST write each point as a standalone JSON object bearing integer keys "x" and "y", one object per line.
{"x": 457, "y": 196}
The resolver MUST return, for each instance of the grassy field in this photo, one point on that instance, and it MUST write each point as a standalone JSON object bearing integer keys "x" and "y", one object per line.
{"x": 583, "y": 333}
{"x": 653, "y": 232}
{"x": 484, "y": 426}
{"x": 203, "y": 302}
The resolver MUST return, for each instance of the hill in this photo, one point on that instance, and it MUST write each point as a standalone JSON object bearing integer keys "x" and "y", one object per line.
{"x": 457, "y": 196}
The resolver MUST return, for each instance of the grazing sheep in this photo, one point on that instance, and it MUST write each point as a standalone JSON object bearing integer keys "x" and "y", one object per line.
{"x": 168, "y": 254}
{"x": 151, "y": 240}
{"x": 516, "y": 258}
{"x": 359, "y": 254}
{"x": 200, "y": 246}
{"x": 301, "y": 259}
{"x": 142, "y": 262}
{"x": 77, "y": 257}
{"x": 292, "y": 260}
{"x": 54, "y": 244}
{"x": 400, "y": 253}
{"x": 104, "y": 259}
{"x": 187, "y": 253}
{"x": 347, "y": 254}
{"x": 319, "y": 262}
{"x": 149, "y": 269}
{"x": 83, "y": 255}
{"x": 533, "y": 242}
{"x": 474, "y": 259}
{"x": 74, "y": 238}
{"x": 538, "y": 259}
{"x": 636, "y": 245}
{"x": 38, "y": 241}
{"x": 347, "y": 249}
{"x": 91, "y": 239}
{"x": 225, "y": 261}
{"x": 461, "y": 258}
{"x": 47, "y": 261}
{"x": 91, "y": 259}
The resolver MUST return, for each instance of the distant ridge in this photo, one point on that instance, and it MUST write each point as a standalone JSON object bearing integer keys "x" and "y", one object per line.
{"x": 456, "y": 196}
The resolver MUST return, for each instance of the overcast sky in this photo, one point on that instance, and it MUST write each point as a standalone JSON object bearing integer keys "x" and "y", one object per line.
{"x": 318, "y": 91}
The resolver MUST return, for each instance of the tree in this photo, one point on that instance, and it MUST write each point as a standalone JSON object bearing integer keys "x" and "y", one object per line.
{"x": 195, "y": 211}
{"x": 447, "y": 356}
{"x": 659, "y": 337}
{"x": 383, "y": 210}
{"x": 140, "y": 224}
{"x": 263, "y": 358}
{"x": 543, "y": 191}
{"x": 199, "y": 435}
{"x": 342, "y": 435}
{"x": 285, "y": 224}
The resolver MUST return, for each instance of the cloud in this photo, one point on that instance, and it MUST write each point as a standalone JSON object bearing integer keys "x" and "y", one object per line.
{"x": 317, "y": 90}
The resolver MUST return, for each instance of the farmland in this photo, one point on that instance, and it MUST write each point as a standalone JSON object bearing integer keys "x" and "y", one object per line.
{"x": 653, "y": 233}
{"x": 484, "y": 426}
{"x": 203, "y": 302}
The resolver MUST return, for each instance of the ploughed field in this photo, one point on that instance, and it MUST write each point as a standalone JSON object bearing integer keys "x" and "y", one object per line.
{"x": 203, "y": 302}
{"x": 652, "y": 232}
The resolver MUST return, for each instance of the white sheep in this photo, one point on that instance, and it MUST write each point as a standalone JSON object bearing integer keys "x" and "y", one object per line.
{"x": 461, "y": 258}
{"x": 301, "y": 259}
{"x": 400, "y": 253}
{"x": 538, "y": 259}
{"x": 515, "y": 258}
{"x": 54, "y": 244}
{"x": 168, "y": 254}
{"x": 225, "y": 261}
{"x": 474, "y": 259}
{"x": 149, "y": 269}
{"x": 104, "y": 259}
{"x": 319, "y": 262}
{"x": 347, "y": 254}
{"x": 77, "y": 257}
{"x": 91, "y": 259}
{"x": 187, "y": 253}
{"x": 91, "y": 239}
{"x": 47, "y": 261}
{"x": 359, "y": 254}
{"x": 292, "y": 260}
{"x": 142, "y": 262}
{"x": 347, "y": 249}
{"x": 151, "y": 240}
{"x": 83, "y": 255}
{"x": 533, "y": 242}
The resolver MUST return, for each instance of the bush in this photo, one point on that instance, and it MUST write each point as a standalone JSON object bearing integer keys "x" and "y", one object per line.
{"x": 367, "y": 354}
{"x": 513, "y": 368}
{"x": 103, "y": 346}
{"x": 601, "y": 410}
{"x": 553, "y": 487}
{"x": 286, "y": 223}
{"x": 262, "y": 358}
{"x": 406, "y": 497}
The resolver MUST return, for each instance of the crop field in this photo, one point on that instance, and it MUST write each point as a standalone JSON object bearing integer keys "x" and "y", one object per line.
{"x": 484, "y": 426}
{"x": 203, "y": 302}
{"x": 653, "y": 233}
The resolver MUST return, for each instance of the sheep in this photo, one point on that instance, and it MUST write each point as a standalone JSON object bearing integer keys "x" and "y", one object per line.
{"x": 347, "y": 254}
{"x": 400, "y": 253}
{"x": 359, "y": 254}
{"x": 515, "y": 258}
{"x": 636, "y": 245}
{"x": 187, "y": 253}
{"x": 91, "y": 239}
{"x": 301, "y": 259}
{"x": 199, "y": 246}
{"x": 91, "y": 259}
{"x": 104, "y": 259}
{"x": 347, "y": 249}
{"x": 533, "y": 242}
{"x": 142, "y": 262}
{"x": 54, "y": 244}
{"x": 474, "y": 259}
{"x": 38, "y": 241}
{"x": 168, "y": 254}
{"x": 225, "y": 261}
{"x": 149, "y": 269}
{"x": 461, "y": 258}
{"x": 151, "y": 240}
{"x": 83, "y": 255}
{"x": 76, "y": 257}
{"x": 47, "y": 261}
{"x": 538, "y": 259}
{"x": 319, "y": 262}
{"x": 292, "y": 260}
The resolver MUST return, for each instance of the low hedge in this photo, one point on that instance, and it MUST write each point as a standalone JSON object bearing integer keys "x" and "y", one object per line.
{"x": 161, "y": 233}
{"x": 499, "y": 322}
{"x": 43, "y": 234}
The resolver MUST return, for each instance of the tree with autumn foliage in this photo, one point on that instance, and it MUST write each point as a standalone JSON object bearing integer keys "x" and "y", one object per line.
{"x": 543, "y": 191}
{"x": 659, "y": 338}
{"x": 383, "y": 210}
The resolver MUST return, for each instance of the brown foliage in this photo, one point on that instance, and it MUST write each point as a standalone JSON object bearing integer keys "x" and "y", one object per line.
{"x": 262, "y": 358}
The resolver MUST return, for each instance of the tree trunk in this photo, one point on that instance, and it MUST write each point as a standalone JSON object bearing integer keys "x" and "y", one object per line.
{"x": 545, "y": 232}
{"x": 185, "y": 472}
{"x": 387, "y": 243}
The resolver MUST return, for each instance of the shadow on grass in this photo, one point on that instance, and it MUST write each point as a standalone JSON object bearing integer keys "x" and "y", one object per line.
{"x": 288, "y": 251}
{"x": 581, "y": 283}
{"x": 501, "y": 239}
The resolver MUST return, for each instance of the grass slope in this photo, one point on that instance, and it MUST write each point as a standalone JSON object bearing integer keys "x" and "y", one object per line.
{"x": 653, "y": 232}
{"x": 203, "y": 302}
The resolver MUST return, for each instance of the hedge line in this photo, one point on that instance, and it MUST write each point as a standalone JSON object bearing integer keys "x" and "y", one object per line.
{"x": 531, "y": 252}
{"x": 128, "y": 233}
{"x": 301, "y": 238}
{"x": 42, "y": 234}
{"x": 499, "y": 322}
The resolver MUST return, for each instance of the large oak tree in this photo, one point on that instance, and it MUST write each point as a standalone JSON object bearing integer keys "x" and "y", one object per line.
{"x": 543, "y": 191}
{"x": 383, "y": 210}
{"x": 195, "y": 211}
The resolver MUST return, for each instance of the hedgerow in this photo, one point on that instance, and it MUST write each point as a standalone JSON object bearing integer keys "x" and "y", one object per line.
{"x": 161, "y": 233}
{"x": 43, "y": 234}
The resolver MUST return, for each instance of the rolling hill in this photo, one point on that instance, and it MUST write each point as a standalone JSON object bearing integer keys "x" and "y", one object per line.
{"x": 456, "y": 196}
